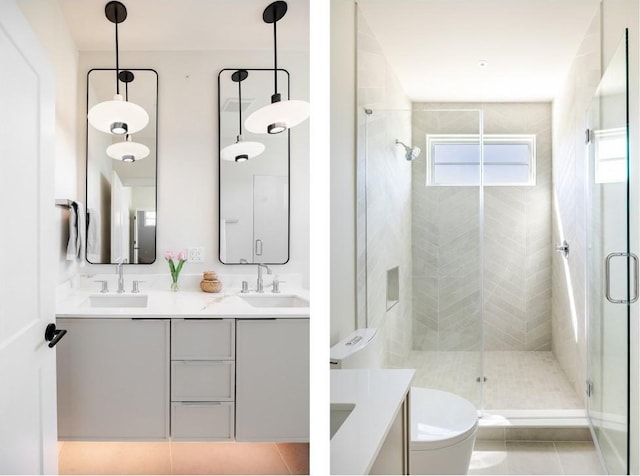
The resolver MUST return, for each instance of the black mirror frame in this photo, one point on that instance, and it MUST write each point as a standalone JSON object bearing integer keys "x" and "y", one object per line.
{"x": 86, "y": 158}
{"x": 268, "y": 95}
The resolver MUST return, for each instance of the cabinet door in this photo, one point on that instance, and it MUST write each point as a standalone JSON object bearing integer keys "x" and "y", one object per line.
{"x": 113, "y": 379}
{"x": 272, "y": 380}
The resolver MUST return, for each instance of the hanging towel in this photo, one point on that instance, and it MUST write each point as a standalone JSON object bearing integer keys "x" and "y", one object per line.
{"x": 223, "y": 240}
{"x": 93, "y": 236}
{"x": 77, "y": 231}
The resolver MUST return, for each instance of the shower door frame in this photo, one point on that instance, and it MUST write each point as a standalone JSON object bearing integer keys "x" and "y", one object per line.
{"x": 603, "y": 315}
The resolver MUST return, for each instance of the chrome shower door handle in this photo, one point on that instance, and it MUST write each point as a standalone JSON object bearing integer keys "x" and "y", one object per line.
{"x": 258, "y": 247}
{"x": 607, "y": 278}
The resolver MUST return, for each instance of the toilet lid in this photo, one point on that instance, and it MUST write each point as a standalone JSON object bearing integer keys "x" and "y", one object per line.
{"x": 439, "y": 419}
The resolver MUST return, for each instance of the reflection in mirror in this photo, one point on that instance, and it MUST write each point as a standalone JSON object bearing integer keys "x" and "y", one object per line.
{"x": 254, "y": 194}
{"x": 121, "y": 195}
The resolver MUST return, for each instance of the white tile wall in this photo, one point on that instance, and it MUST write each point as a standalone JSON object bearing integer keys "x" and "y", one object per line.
{"x": 517, "y": 241}
{"x": 569, "y": 179}
{"x": 383, "y": 198}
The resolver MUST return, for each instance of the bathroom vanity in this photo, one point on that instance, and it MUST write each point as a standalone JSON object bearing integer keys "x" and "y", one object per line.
{"x": 188, "y": 366}
{"x": 369, "y": 419}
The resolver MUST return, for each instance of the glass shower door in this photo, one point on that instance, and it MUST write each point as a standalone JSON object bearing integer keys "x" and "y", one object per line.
{"x": 611, "y": 268}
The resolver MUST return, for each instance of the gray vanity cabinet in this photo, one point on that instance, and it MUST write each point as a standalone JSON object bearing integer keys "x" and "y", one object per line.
{"x": 202, "y": 379}
{"x": 113, "y": 379}
{"x": 272, "y": 380}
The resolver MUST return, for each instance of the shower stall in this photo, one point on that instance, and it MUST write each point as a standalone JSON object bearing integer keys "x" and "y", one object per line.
{"x": 484, "y": 271}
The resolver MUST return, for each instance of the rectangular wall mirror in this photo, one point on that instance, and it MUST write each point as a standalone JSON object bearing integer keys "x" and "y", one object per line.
{"x": 254, "y": 194}
{"x": 121, "y": 196}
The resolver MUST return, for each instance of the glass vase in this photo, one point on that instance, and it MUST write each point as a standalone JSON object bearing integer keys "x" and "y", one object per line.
{"x": 174, "y": 285}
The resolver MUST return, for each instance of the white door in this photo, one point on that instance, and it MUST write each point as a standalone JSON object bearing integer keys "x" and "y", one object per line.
{"x": 28, "y": 439}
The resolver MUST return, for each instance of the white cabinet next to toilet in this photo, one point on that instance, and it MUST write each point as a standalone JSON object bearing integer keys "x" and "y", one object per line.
{"x": 272, "y": 380}
{"x": 113, "y": 379}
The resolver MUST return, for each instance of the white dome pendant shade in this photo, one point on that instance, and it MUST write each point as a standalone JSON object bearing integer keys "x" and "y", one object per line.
{"x": 279, "y": 115}
{"x": 127, "y": 150}
{"x": 118, "y": 116}
{"x": 241, "y": 151}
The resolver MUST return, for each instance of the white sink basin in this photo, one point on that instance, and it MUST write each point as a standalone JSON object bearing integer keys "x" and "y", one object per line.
{"x": 118, "y": 300}
{"x": 338, "y": 413}
{"x": 275, "y": 301}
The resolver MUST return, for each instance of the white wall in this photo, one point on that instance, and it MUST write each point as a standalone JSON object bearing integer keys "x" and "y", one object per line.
{"x": 383, "y": 211}
{"x": 343, "y": 169}
{"x": 569, "y": 199}
{"x": 187, "y": 151}
{"x": 50, "y": 26}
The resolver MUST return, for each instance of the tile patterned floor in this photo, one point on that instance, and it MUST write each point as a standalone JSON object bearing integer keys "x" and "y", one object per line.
{"x": 534, "y": 457}
{"x": 182, "y": 458}
{"x": 515, "y": 379}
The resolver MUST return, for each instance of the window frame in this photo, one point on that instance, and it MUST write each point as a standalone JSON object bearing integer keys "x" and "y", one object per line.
{"x": 435, "y": 139}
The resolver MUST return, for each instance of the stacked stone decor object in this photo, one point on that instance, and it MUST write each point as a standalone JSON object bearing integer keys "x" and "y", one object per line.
{"x": 210, "y": 282}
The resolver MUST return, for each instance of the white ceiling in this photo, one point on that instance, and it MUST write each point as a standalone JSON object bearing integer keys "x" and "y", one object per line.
{"x": 434, "y": 46}
{"x": 176, "y": 25}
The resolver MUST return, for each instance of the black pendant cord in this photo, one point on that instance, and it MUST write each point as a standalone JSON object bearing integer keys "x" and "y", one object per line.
{"x": 275, "y": 59}
{"x": 239, "y": 108}
{"x": 117, "y": 60}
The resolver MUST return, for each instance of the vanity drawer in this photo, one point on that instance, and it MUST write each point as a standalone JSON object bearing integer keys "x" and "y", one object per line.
{"x": 202, "y": 339}
{"x": 206, "y": 421}
{"x": 202, "y": 381}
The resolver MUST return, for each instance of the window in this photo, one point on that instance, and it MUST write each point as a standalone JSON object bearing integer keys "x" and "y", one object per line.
{"x": 611, "y": 155}
{"x": 454, "y": 159}
{"x": 149, "y": 218}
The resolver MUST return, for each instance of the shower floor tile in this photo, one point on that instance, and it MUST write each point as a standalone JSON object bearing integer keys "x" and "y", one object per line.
{"x": 531, "y": 380}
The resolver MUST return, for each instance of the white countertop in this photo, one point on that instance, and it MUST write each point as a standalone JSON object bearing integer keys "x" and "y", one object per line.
{"x": 378, "y": 395}
{"x": 163, "y": 303}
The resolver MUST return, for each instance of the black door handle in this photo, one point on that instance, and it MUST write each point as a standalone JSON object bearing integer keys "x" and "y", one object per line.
{"x": 53, "y": 335}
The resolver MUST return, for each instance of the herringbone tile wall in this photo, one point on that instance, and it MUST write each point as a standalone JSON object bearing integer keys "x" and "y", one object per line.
{"x": 517, "y": 242}
{"x": 383, "y": 198}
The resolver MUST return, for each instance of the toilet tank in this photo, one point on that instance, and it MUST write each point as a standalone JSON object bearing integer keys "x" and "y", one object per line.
{"x": 359, "y": 350}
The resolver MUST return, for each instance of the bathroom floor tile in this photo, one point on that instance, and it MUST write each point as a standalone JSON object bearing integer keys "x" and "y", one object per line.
{"x": 114, "y": 458}
{"x": 226, "y": 458}
{"x": 296, "y": 456}
{"x": 578, "y": 457}
{"x": 489, "y": 457}
{"x": 530, "y": 380}
{"x": 532, "y": 457}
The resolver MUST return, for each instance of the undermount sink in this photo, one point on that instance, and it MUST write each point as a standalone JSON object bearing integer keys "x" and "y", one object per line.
{"x": 118, "y": 300}
{"x": 275, "y": 301}
{"x": 338, "y": 412}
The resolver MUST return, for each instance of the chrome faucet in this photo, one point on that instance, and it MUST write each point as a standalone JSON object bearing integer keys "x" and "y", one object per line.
{"x": 260, "y": 283}
{"x": 120, "y": 273}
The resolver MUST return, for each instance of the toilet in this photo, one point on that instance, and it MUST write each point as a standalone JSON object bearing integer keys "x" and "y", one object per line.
{"x": 443, "y": 425}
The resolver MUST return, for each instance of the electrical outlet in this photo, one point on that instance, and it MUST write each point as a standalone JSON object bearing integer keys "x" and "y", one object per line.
{"x": 196, "y": 255}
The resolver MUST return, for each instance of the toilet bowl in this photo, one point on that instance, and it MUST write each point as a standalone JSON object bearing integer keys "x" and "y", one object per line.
{"x": 443, "y": 425}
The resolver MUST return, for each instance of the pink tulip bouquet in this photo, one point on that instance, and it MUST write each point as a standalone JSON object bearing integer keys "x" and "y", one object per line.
{"x": 175, "y": 270}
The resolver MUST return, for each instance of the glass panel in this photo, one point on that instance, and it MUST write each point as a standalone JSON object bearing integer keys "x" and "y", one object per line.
{"x": 451, "y": 174}
{"x": 608, "y": 225}
{"x": 510, "y": 153}
{"x": 506, "y": 174}
{"x": 456, "y": 153}
{"x": 433, "y": 235}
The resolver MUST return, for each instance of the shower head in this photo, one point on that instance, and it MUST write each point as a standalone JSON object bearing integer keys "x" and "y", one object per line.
{"x": 410, "y": 153}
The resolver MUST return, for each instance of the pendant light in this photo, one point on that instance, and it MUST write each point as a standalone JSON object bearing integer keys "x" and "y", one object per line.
{"x": 279, "y": 115}
{"x": 117, "y": 116}
{"x": 127, "y": 150}
{"x": 241, "y": 151}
